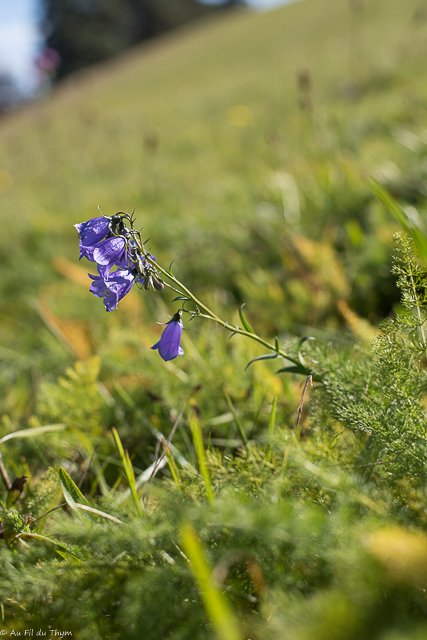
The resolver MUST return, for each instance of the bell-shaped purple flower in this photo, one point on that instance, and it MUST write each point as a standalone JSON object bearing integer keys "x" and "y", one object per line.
{"x": 90, "y": 233}
{"x": 112, "y": 287}
{"x": 169, "y": 345}
{"x": 110, "y": 252}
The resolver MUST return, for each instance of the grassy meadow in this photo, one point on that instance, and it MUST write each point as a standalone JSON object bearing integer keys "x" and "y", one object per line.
{"x": 245, "y": 145}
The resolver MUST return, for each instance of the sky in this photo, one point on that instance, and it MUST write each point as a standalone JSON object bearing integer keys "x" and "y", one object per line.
{"x": 20, "y": 39}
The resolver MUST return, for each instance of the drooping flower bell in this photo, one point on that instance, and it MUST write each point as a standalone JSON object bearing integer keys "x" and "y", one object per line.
{"x": 110, "y": 252}
{"x": 169, "y": 345}
{"x": 92, "y": 232}
{"x": 112, "y": 287}
{"x": 114, "y": 243}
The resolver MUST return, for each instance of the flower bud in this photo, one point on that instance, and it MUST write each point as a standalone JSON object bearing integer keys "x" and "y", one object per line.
{"x": 158, "y": 284}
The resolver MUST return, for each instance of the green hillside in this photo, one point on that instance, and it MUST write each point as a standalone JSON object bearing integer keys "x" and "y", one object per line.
{"x": 191, "y": 132}
{"x": 245, "y": 145}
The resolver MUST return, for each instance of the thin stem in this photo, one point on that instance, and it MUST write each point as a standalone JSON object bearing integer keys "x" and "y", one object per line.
{"x": 59, "y": 506}
{"x": 4, "y": 475}
{"x": 169, "y": 286}
{"x": 296, "y": 428}
{"x": 420, "y": 320}
{"x": 210, "y": 315}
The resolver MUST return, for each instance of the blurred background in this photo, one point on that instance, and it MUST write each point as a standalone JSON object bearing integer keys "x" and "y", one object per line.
{"x": 242, "y": 134}
{"x": 43, "y": 40}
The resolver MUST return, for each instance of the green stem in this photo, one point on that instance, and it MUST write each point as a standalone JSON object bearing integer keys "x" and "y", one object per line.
{"x": 210, "y": 315}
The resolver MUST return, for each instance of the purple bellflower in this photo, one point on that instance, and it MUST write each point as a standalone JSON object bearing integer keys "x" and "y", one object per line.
{"x": 112, "y": 287}
{"x": 169, "y": 345}
{"x": 110, "y": 252}
{"x": 90, "y": 233}
{"x": 113, "y": 243}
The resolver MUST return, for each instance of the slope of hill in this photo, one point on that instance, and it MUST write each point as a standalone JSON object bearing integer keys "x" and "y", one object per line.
{"x": 240, "y": 144}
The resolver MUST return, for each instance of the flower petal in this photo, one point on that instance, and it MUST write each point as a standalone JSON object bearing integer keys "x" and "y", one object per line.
{"x": 86, "y": 252}
{"x": 93, "y": 231}
{"x": 113, "y": 287}
{"x": 109, "y": 251}
{"x": 169, "y": 345}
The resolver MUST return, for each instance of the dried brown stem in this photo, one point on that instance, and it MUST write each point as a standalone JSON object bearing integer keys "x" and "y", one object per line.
{"x": 301, "y": 404}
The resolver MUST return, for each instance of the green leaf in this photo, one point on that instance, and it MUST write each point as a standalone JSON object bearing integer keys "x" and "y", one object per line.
{"x": 33, "y": 431}
{"x": 408, "y": 225}
{"x": 61, "y": 547}
{"x": 130, "y": 475}
{"x": 67, "y": 555}
{"x": 200, "y": 452}
{"x": 268, "y": 356}
{"x": 300, "y": 343}
{"x": 293, "y": 369}
{"x": 224, "y": 620}
{"x": 84, "y": 507}
{"x": 245, "y": 323}
{"x": 271, "y": 426}
{"x": 170, "y": 268}
{"x": 180, "y": 298}
{"x": 72, "y": 493}
{"x": 300, "y": 370}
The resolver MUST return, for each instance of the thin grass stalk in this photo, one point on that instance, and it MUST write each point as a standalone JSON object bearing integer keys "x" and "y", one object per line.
{"x": 237, "y": 421}
{"x": 200, "y": 452}
{"x": 223, "y": 619}
{"x": 271, "y": 427}
{"x": 128, "y": 469}
{"x": 173, "y": 468}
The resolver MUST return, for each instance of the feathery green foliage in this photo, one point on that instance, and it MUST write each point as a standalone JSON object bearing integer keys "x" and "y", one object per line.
{"x": 382, "y": 394}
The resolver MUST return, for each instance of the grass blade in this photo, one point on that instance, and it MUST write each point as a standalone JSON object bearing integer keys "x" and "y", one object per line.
{"x": 271, "y": 427}
{"x": 236, "y": 420}
{"x": 173, "y": 467}
{"x": 41, "y": 538}
{"x": 72, "y": 493}
{"x": 146, "y": 422}
{"x": 36, "y": 431}
{"x": 127, "y": 465}
{"x": 87, "y": 444}
{"x": 33, "y": 431}
{"x": 408, "y": 225}
{"x": 84, "y": 507}
{"x": 223, "y": 619}
{"x": 200, "y": 452}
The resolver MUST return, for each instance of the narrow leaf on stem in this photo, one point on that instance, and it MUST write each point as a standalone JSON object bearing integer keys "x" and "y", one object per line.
{"x": 245, "y": 323}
